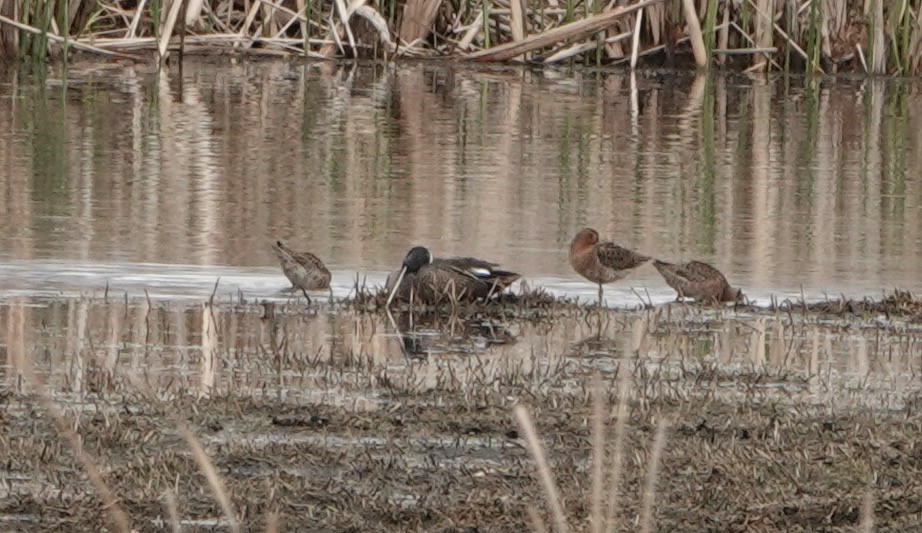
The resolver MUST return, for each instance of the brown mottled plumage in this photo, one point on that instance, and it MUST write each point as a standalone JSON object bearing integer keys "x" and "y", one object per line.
{"x": 602, "y": 262}
{"x": 305, "y": 270}
{"x": 432, "y": 281}
{"x": 698, "y": 280}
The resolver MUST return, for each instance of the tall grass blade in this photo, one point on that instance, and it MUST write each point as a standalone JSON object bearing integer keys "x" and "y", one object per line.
{"x": 619, "y": 432}
{"x": 211, "y": 474}
{"x": 173, "y": 509}
{"x": 544, "y": 470}
{"x": 649, "y": 487}
{"x": 597, "y": 516}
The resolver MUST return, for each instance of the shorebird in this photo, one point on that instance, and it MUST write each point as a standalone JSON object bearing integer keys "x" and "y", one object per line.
{"x": 602, "y": 262}
{"x": 698, "y": 280}
{"x": 431, "y": 280}
{"x": 304, "y": 269}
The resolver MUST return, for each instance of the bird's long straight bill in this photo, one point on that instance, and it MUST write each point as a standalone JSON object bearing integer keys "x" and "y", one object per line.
{"x": 396, "y": 286}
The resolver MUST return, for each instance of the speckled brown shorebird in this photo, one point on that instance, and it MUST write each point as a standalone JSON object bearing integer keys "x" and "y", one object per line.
{"x": 602, "y": 262}
{"x": 304, "y": 269}
{"x": 698, "y": 280}
{"x": 431, "y": 281}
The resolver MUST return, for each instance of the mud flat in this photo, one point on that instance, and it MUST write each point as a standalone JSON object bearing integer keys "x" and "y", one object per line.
{"x": 341, "y": 418}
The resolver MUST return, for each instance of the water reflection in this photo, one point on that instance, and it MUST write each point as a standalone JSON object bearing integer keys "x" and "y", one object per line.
{"x": 83, "y": 347}
{"x": 786, "y": 188}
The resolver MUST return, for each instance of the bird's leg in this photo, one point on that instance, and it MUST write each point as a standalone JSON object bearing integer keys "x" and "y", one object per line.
{"x": 306, "y": 296}
{"x": 600, "y": 295}
{"x": 492, "y": 289}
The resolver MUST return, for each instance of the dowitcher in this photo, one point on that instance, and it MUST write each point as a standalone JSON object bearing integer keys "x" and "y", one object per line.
{"x": 602, "y": 262}
{"x": 430, "y": 280}
{"x": 304, "y": 269}
{"x": 698, "y": 280}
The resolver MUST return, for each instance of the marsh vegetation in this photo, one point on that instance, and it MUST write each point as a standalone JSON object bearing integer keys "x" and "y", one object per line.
{"x": 335, "y": 415}
{"x": 804, "y": 36}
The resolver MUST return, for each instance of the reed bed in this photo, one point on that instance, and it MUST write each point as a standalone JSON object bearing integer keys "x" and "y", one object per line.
{"x": 813, "y": 36}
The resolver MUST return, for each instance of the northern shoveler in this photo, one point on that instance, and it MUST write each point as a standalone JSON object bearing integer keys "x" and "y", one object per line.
{"x": 602, "y": 262}
{"x": 304, "y": 269}
{"x": 698, "y": 280}
{"x": 431, "y": 281}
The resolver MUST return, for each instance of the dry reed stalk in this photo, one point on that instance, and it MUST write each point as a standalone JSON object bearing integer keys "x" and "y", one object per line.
{"x": 418, "y": 16}
{"x": 878, "y": 46}
{"x": 516, "y": 22}
{"x": 577, "y": 49}
{"x": 764, "y": 16}
{"x": 471, "y": 32}
{"x": 597, "y": 515}
{"x": 763, "y": 28}
{"x": 194, "y": 11}
{"x": 248, "y": 21}
{"x": 635, "y": 41}
{"x": 574, "y": 30}
{"x": 694, "y": 33}
{"x": 272, "y": 522}
{"x": 9, "y": 37}
{"x": 378, "y": 23}
{"x": 133, "y": 27}
{"x": 173, "y": 509}
{"x": 867, "y": 513}
{"x": 723, "y": 36}
{"x": 167, "y": 30}
{"x": 302, "y": 20}
{"x": 620, "y": 429}
{"x": 649, "y": 487}
{"x": 544, "y": 470}
{"x": 58, "y": 39}
{"x": 537, "y": 523}
{"x": 214, "y": 480}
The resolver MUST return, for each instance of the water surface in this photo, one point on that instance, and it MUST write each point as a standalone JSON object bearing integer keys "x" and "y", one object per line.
{"x": 117, "y": 175}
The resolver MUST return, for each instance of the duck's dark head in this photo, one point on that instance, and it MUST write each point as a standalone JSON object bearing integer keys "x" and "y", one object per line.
{"x": 417, "y": 258}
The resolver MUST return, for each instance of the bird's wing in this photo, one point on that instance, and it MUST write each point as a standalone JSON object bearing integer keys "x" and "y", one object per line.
{"x": 619, "y": 258}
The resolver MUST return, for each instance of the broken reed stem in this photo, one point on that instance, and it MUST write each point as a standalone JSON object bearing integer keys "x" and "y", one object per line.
{"x": 867, "y": 513}
{"x": 173, "y": 510}
{"x": 597, "y": 518}
{"x": 649, "y": 487}
{"x": 537, "y": 523}
{"x": 544, "y": 470}
{"x": 211, "y": 474}
{"x": 614, "y": 480}
{"x": 272, "y": 522}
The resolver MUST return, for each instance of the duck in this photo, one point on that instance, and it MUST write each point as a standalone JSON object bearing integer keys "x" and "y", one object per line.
{"x": 304, "y": 270}
{"x": 428, "y": 280}
{"x": 698, "y": 280}
{"x": 602, "y": 261}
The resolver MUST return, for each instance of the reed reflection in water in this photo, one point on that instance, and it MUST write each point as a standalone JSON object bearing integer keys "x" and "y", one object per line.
{"x": 785, "y": 188}
{"x": 119, "y": 349}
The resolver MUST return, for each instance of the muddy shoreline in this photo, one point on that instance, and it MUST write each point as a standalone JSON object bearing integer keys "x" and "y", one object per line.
{"x": 355, "y": 428}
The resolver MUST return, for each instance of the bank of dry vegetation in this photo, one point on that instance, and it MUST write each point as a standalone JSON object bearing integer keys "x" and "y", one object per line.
{"x": 873, "y": 36}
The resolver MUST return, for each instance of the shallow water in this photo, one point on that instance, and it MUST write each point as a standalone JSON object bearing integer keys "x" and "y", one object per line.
{"x": 88, "y": 349}
{"x": 116, "y": 176}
